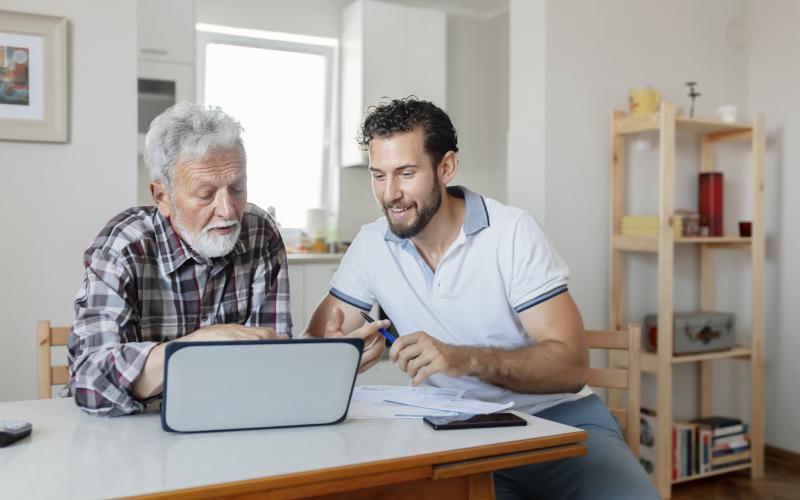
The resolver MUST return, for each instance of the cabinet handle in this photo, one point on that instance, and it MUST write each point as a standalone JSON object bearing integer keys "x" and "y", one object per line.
{"x": 158, "y": 52}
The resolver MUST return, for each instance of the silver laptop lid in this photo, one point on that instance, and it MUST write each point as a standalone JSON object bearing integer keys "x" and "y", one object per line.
{"x": 213, "y": 386}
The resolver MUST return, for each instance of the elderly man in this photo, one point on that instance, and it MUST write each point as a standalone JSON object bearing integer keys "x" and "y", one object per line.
{"x": 200, "y": 265}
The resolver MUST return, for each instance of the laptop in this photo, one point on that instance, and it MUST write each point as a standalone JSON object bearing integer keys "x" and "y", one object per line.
{"x": 236, "y": 385}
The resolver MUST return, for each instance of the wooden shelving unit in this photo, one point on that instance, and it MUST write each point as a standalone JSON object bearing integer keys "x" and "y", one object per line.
{"x": 668, "y": 123}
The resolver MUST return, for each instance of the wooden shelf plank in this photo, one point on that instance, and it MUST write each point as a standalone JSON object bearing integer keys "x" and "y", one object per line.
{"x": 629, "y": 243}
{"x": 709, "y": 125}
{"x": 717, "y": 472}
{"x": 715, "y": 240}
{"x": 649, "y": 359}
{"x": 631, "y": 124}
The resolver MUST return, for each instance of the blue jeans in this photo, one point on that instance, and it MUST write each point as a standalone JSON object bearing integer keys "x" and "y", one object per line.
{"x": 608, "y": 471}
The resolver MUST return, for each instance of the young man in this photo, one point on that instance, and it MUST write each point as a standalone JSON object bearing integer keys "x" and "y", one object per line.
{"x": 479, "y": 298}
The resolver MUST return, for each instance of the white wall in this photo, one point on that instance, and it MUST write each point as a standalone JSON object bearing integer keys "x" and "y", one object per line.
{"x": 575, "y": 61}
{"x": 477, "y": 100}
{"x": 591, "y": 54}
{"x": 525, "y": 176}
{"x": 54, "y": 198}
{"x": 774, "y": 83}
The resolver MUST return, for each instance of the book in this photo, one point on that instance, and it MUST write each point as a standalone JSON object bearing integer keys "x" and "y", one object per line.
{"x": 729, "y": 451}
{"x": 705, "y": 447}
{"x": 723, "y": 426}
{"x": 733, "y": 458}
{"x": 730, "y": 430}
{"x": 732, "y": 439}
{"x": 685, "y": 448}
{"x": 717, "y": 422}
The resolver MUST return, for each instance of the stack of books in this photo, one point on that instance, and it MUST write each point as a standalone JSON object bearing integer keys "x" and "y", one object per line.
{"x": 700, "y": 446}
{"x": 729, "y": 443}
{"x": 639, "y": 225}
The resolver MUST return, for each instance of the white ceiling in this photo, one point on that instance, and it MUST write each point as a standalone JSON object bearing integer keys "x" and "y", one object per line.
{"x": 475, "y": 8}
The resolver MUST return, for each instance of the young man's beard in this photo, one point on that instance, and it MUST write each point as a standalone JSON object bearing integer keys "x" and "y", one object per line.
{"x": 426, "y": 210}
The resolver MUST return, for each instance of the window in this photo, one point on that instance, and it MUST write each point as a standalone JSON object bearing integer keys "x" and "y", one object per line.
{"x": 279, "y": 86}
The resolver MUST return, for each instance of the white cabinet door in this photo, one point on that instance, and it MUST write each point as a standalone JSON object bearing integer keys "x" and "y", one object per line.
{"x": 426, "y": 63}
{"x": 309, "y": 282}
{"x": 388, "y": 50}
{"x": 317, "y": 284}
{"x": 384, "y": 42}
{"x": 166, "y": 30}
{"x": 297, "y": 298}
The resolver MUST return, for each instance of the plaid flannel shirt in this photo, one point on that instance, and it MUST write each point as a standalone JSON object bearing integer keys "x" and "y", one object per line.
{"x": 144, "y": 285}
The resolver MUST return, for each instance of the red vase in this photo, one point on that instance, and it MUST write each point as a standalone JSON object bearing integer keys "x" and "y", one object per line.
{"x": 710, "y": 203}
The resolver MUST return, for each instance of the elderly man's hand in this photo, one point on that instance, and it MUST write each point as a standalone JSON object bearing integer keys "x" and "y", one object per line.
{"x": 230, "y": 332}
{"x": 373, "y": 341}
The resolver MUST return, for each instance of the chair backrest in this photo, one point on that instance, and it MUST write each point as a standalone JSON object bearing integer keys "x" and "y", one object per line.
{"x": 620, "y": 378}
{"x": 46, "y": 337}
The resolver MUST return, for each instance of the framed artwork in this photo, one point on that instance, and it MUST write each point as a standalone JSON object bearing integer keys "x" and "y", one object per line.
{"x": 33, "y": 77}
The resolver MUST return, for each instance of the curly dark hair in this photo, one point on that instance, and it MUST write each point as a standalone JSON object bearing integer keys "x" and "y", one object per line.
{"x": 403, "y": 115}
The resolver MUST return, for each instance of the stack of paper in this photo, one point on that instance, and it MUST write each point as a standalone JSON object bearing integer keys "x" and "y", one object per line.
{"x": 389, "y": 401}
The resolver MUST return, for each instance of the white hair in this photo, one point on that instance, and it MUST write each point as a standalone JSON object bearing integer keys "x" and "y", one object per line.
{"x": 186, "y": 132}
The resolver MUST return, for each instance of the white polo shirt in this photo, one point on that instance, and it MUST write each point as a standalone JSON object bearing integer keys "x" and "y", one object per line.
{"x": 499, "y": 265}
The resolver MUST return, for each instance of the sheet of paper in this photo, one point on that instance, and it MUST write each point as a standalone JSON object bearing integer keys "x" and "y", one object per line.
{"x": 388, "y": 401}
{"x": 370, "y": 401}
{"x": 468, "y": 406}
{"x": 392, "y": 390}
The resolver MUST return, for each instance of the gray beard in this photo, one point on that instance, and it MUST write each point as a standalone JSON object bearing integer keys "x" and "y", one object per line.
{"x": 207, "y": 244}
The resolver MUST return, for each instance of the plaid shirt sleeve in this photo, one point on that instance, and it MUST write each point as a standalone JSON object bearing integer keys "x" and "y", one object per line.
{"x": 270, "y": 304}
{"x": 105, "y": 355}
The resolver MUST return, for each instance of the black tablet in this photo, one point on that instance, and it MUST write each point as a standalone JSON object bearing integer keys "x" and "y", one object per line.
{"x": 504, "y": 419}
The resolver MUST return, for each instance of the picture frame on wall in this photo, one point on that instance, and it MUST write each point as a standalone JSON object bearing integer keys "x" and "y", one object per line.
{"x": 33, "y": 77}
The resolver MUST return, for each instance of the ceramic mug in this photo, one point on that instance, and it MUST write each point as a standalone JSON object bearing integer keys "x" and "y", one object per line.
{"x": 727, "y": 113}
{"x": 643, "y": 101}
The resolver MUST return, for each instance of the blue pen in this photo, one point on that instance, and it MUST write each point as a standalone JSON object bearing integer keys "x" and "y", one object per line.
{"x": 383, "y": 331}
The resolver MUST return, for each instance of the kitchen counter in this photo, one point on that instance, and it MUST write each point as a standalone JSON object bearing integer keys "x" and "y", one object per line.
{"x": 302, "y": 258}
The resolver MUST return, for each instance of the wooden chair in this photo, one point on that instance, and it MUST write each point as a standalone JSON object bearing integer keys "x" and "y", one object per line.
{"x": 48, "y": 336}
{"x": 621, "y": 378}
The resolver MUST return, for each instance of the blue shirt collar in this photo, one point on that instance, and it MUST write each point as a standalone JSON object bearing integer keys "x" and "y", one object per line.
{"x": 476, "y": 216}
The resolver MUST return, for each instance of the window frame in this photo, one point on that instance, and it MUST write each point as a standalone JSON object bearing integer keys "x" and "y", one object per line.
{"x": 325, "y": 47}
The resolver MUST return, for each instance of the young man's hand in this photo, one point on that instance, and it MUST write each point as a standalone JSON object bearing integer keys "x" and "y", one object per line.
{"x": 373, "y": 340}
{"x": 420, "y": 356}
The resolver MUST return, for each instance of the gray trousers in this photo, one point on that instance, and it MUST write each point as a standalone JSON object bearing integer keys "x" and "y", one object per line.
{"x": 608, "y": 471}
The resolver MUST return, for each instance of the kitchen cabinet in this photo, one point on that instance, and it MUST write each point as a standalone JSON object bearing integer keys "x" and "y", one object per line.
{"x": 309, "y": 280}
{"x": 165, "y": 30}
{"x": 388, "y": 50}
{"x": 165, "y": 68}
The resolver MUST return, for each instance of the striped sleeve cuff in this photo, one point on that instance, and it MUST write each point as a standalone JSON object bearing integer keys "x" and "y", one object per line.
{"x": 541, "y": 298}
{"x": 350, "y": 300}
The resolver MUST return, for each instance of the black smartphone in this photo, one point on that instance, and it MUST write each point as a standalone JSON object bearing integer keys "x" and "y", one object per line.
{"x": 474, "y": 421}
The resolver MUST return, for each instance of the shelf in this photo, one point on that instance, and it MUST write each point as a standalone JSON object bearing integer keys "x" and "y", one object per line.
{"x": 650, "y": 359}
{"x": 628, "y": 243}
{"x": 668, "y": 123}
{"x": 717, "y": 472}
{"x": 631, "y": 124}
